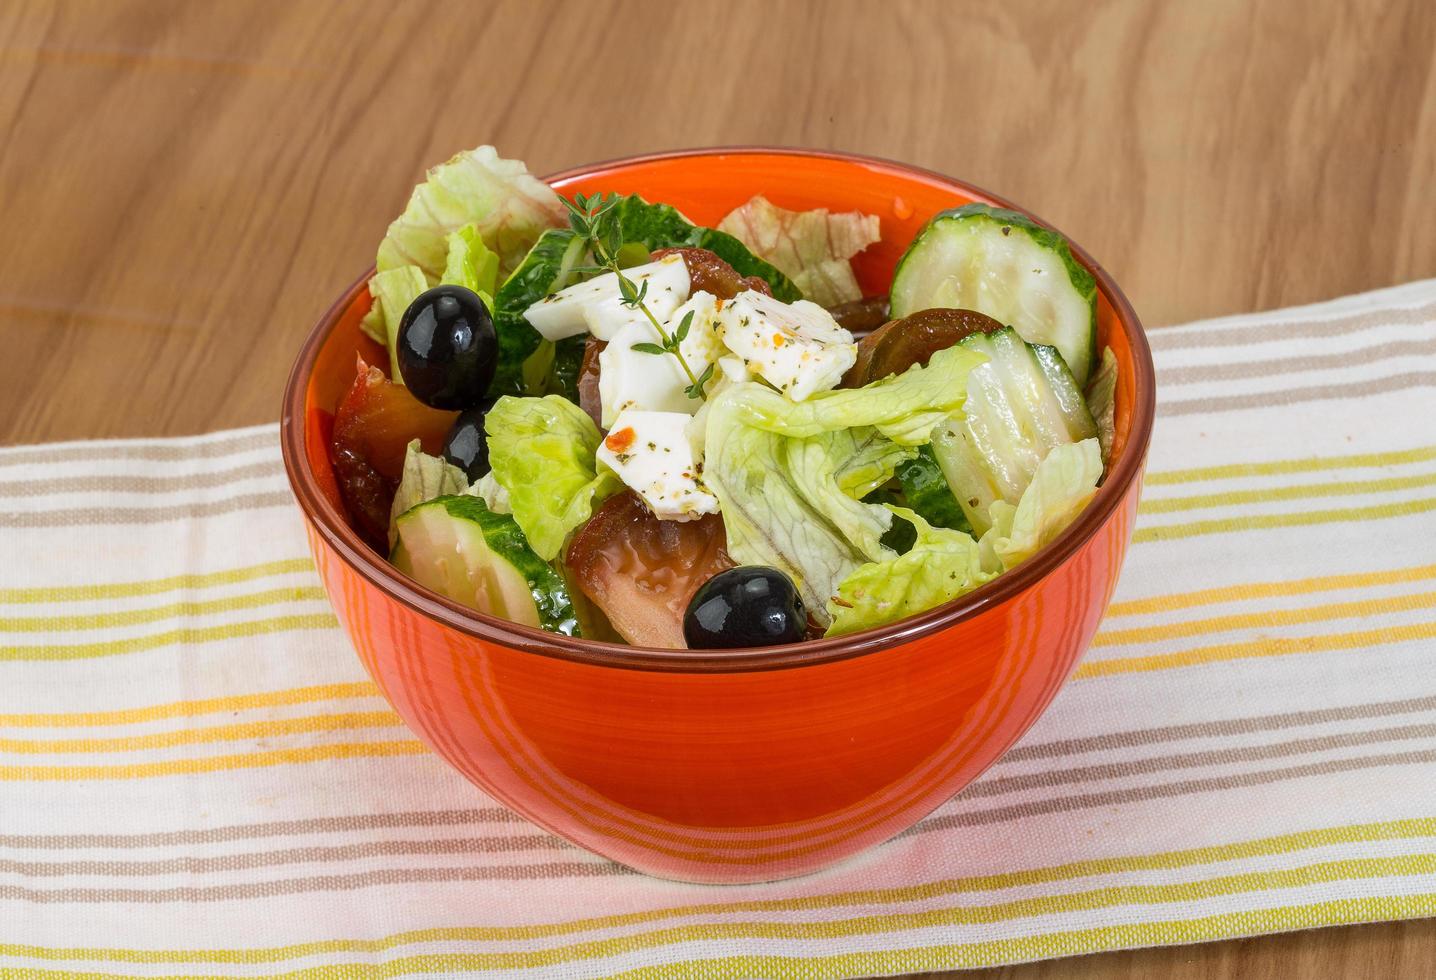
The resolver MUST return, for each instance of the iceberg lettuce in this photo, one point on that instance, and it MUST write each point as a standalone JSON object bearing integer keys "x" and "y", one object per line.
{"x": 470, "y": 264}
{"x": 781, "y": 503}
{"x": 1061, "y": 487}
{"x": 813, "y": 247}
{"x": 542, "y": 454}
{"x": 1102, "y": 401}
{"x": 425, "y": 477}
{"x": 904, "y": 408}
{"x": 393, "y": 291}
{"x": 941, "y": 565}
{"x": 508, "y": 207}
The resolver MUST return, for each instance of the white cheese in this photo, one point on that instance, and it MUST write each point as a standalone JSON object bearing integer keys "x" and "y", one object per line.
{"x": 667, "y": 287}
{"x": 798, "y": 348}
{"x": 628, "y": 378}
{"x": 572, "y": 311}
{"x": 651, "y": 454}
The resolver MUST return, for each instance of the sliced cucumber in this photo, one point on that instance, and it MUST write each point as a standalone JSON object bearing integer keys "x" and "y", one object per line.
{"x": 1003, "y": 264}
{"x": 1020, "y": 405}
{"x": 461, "y": 549}
{"x": 928, "y": 493}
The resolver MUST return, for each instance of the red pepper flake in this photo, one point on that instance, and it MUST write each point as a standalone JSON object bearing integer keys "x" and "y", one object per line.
{"x": 621, "y": 440}
{"x": 779, "y": 340}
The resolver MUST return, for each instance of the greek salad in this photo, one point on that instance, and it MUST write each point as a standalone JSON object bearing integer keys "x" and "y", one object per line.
{"x": 597, "y": 418}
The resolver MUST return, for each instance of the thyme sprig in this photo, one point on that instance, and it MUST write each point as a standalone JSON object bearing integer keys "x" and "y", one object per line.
{"x": 594, "y": 220}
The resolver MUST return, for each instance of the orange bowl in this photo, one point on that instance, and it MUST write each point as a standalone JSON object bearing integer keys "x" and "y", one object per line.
{"x": 732, "y": 765}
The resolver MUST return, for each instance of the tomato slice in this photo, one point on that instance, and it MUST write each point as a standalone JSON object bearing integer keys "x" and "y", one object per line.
{"x": 642, "y": 571}
{"x": 372, "y": 429}
{"x": 899, "y": 344}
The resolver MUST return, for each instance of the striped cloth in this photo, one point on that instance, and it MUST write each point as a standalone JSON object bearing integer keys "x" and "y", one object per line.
{"x": 199, "y": 779}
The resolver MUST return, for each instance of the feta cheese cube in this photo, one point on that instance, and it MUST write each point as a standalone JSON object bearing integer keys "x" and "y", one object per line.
{"x": 796, "y": 347}
{"x": 629, "y": 378}
{"x": 575, "y": 309}
{"x": 651, "y": 454}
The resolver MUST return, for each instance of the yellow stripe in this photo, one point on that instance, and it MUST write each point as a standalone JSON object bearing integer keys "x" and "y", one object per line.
{"x": 1256, "y": 522}
{"x": 1169, "y": 505}
{"x": 1282, "y": 467}
{"x": 891, "y": 923}
{"x": 1262, "y": 620}
{"x": 120, "y": 590}
{"x": 174, "y": 637}
{"x": 191, "y": 709}
{"x": 1170, "y": 860}
{"x": 218, "y": 763}
{"x": 1269, "y": 590}
{"x": 200, "y": 736}
{"x": 172, "y": 610}
{"x": 915, "y": 959}
{"x": 1271, "y": 647}
{"x": 1021, "y": 949}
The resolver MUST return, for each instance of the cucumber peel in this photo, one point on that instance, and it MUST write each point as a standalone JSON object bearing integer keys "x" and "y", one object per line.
{"x": 462, "y": 550}
{"x": 1003, "y": 264}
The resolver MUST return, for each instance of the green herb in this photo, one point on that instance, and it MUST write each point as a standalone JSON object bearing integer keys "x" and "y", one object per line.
{"x": 595, "y": 222}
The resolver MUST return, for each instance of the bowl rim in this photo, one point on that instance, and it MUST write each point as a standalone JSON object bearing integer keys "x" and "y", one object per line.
{"x": 334, "y": 529}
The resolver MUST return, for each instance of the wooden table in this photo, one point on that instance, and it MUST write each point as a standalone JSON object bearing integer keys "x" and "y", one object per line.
{"x": 185, "y": 186}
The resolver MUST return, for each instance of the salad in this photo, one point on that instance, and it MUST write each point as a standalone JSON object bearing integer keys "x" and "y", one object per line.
{"x": 597, "y": 418}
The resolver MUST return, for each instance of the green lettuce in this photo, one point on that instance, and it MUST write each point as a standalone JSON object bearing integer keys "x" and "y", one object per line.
{"x": 941, "y": 565}
{"x": 813, "y": 247}
{"x": 424, "y": 478}
{"x": 542, "y": 454}
{"x": 529, "y": 365}
{"x": 1102, "y": 401}
{"x": 905, "y": 408}
{"x": 789, "y": 476}
{"x": 470, "y": 264}
{"x": 781, "y": 503}
{"x": 507, "y": 205}
{"x": 870, "y": 460}
{"x": 1062, "y": 486}
{"x": 393, "y": 291}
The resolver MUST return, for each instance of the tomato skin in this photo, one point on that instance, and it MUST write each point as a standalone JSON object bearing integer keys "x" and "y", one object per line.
{"x": 373, "y": 426}
{"x": 641, "y": 571}
{"x": 899, "y": 344}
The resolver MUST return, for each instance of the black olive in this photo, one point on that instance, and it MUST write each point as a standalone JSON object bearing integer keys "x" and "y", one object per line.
{"x": 466, "y": 446}
{"x": 747, "y": 606}
{"x": 447, "y": 348}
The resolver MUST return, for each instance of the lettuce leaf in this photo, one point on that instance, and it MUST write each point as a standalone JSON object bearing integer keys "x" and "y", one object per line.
{"x": 393, "y": 291}
{"x": 904, "y": 408}
{"x": 425, "y": 477}
{"x": 813, "y": 247}
{"x": 941, "y": 565}
{"x": 784, "y": 502}
{"x": 524, "y": 365}
{"x": 1062, "y": 486}
{"x": 1102, "y": 401}
{"x": 494, "y": 496}
{"x": 508, "y": 207}
{"x": 542, "y": 454}
{"x": 470, "y": 264}
{"x": 869, "y": 460}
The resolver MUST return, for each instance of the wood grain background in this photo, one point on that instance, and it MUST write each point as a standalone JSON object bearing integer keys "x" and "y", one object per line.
{"x": 185, "y": 186}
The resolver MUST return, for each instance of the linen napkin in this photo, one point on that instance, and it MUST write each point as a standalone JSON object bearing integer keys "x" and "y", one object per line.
{"x": 198, "y": 779}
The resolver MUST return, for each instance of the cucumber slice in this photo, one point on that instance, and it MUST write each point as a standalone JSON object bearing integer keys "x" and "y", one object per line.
{"x": 461, "y": 549}
{"x": 1003, "y": 264}
{"x": 928, "y": 493}
{"x": 1020, "y": 405}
